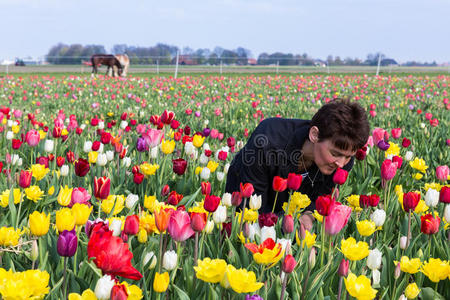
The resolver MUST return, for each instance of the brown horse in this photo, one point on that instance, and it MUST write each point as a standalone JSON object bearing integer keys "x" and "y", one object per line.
{"x": 108, "y": 60}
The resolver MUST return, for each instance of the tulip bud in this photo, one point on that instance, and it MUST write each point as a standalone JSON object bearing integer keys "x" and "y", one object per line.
{"x": 397, "y": 271}
{"x": 198, "y": 221}
{"x": 246, "y": 190}
{"x": 289, "y": 264}
{"x": 288, "y": 224}
{"x": 131, "y": 226}
{"x": 142, "y": 236}
{"x": 109, "y": 155}
{"x": 447, "y": 213}
{"x": 170, "y": 260}
{"x": 165, "y": 190}
{"x": 403, "y": 240}
{"x": 376, "y": 276}
{"x": 103, "y": 287}
{"x": 402, "y": 297}
{"x": 312, "y": 258}
{"x": 236, "y": 199}
{"x": 409, "y": 155}
{"x": 343, "y": 268}
{"x": 150, "y": 257}
{"x": 116, "y": 227}
{"x": 34, "y": 250}
{"x": 25, "y": 179}
{"x": 340, "y": 176}
{"x": 432, "y": 198}
{"x": 246, "y": 230}
{"x": 220, "y": 176}
{"x": 209, "y": 227}
{"x": 374, "y": 259}
{"x": 101, "y": 160}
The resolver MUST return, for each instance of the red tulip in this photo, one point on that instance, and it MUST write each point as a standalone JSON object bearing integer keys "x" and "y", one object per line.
{"x": 179, "y": 166}
{"x": 206, "y": 188}
{"x": 406, "y": 142}
{"x": 105, "y": 138}
{"x": 340, "y": 176}
{"x": 16, "y": 144}
{"x": 246, "y": 190}
{"x": 374, "y": 200}
{"x": 279, "y": 184}
{"x": 81, "y": 167}
{"x": 444, "y": 194}
{"x": 119, "y": 292}
{"x": 337, "y": 218}
{"x": 288, "y": 224}
{"x": 60, "y": 161}
{"x": 131, "y": 226}
{"x": 343, "y": 268}
{"x": 398, "y": 160}
{"x": 95, "y": 145}
{"x": 25, "y": 179}
{"x": 410, "y": 201}
{"x": 198, "y": 221}
{"x": 42, "y": 160}
{"x": 211, "y": 203}
{"x": 174, "y": 198}
{"x": 167, "y": 117}
{"x": 138, "y": 178}
{"x": 396, "y": 133}
{"x": 180, "y": 226}
{"x": 165, "y": 190}
{"x": 236, "y": 199}
{"x": 111, "y": 255}
{"x": 70, "y": 157}
{"x": 222, "y": 155}
{"x": 267, "y": 219}
{"x": 294, "y": 181}
{"x": 388, "y": 169}
{"x": 102, "y": 187}
{"x": 429, "y": 225}
{"x": 323, "y": 204}
{"x": 364, "y": 201}
{"x": 289, "y": 264}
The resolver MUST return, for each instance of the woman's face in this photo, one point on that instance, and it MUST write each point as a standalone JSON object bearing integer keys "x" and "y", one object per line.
{"x": 328, "y": 157}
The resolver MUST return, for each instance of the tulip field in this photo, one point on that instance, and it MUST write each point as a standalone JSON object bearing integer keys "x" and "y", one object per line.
{"x": 114, "y": 188}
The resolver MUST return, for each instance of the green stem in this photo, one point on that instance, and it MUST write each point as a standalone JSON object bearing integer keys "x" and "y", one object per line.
{"x": 160, "y": 252}
{"x": 275, "y": 202}
{"x": 18, "y": 212}
{"x": 322, "y": 240}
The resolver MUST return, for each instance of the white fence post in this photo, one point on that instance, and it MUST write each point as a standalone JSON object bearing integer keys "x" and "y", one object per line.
{"x": 220, "y": 67}
{"x": 379, "y": 62}
{"x": 176, "y": 66}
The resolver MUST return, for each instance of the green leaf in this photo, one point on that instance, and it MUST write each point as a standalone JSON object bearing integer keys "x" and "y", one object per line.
{"x": 429, "y": 294}
{"x": 55, "y": 288}
{"x": 181, "y": 295}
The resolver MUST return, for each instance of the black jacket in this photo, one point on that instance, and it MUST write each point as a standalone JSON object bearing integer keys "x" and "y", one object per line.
{"x": 274, "y": 149}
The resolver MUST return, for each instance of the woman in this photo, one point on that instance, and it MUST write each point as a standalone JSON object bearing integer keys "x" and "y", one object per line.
{"x": 314, "y": 148}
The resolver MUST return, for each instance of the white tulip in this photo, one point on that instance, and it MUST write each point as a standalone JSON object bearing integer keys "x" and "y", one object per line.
{"x": 103, "y": 287}
{"x": 403, "y": 242}
{"x": 220, "y": 176}
{"x": 101, "y": 125}
{"x": 150, "y": 256}
{"x": 123, "y": 124}
{"x": 432, "y": 198}
{"x": 109, "y": 155}
{"x": 226, "y": 167}
{"x": 390, "y": 156}
{"x": 131, "y": 200}
{"x": 205, "y": 173}
{"x": 374, "y": 259}
{"x": 193, "y": 155}
{"x": 239, "y": 145}
{"x": 100, "y": 149}
{"x": 447, "y": 213}
{"x": 220, "y": 215}
{"x": 205, "y": 123}
{"x": 226, "y": 199}
{"x": 169, "y": 260}
{"x": 101, "y": 160}
{"x": 87, "y": 147}
{"x": 268, "y": 232}
{"x": 209, "y": 227}
{"x": 10, "y": 123}
{"x": 203, "y": 160}
{"x": 409, "y": 155}
{"x": 254, "y": 230}
{"x": 49, "y": 145}
{"x": 64, "y": 170}
{"x": 154, "y": 152}
{"x": 376, "y": 276}
{"x": 402, "y": 297}
{"x": 116, "y": 227}
{"x": 189, "y": 148}
{"x": 83, "y": 126}
{"x": 126, "y": 162}
{"x": 205, "y": 146}
{"x": 9, "y": 135}
{"x": 285, "y": 244}
{"x": 378, "y": 217}
{"x": 255, "y": 202}
{"x": 15, "y": 159}
{"x": 422, "y": 125}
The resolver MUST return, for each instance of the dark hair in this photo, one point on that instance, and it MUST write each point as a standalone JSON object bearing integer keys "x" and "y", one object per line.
{"x": 344, "y": 123}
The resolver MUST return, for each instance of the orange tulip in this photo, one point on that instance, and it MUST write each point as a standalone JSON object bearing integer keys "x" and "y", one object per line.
{"x": 162, "y": 218}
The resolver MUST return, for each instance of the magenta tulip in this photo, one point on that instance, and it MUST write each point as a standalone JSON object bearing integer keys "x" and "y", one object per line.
{"x": 337, "y": 218}
{"x": 442, "y": 173}
{"x": 32, "y": 138}
{"x": 180, "y": 226}
{"x": 388, "y": 169}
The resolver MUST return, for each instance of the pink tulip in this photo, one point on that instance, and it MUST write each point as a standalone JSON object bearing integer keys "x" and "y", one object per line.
{"x": 153, "y": 137}
{"x": 140, "y": 128}
{"x": 378, "y": 135}
{"x": 180, "y": 226}
{"x": 214, "y": 133}
{"x": 32, "y": 138}
{"x": 396, "y": 133}
{"x": 17, "y": 114}
{"x": 79, "y": 195}
{"x": 442, "y": 173}
{"x": 388, "y": 169}
{"x": 220, "y": 136}
{"x": 337, "y": 218}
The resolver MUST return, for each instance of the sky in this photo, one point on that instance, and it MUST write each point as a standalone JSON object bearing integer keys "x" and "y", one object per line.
{"x": 404, "y": 30}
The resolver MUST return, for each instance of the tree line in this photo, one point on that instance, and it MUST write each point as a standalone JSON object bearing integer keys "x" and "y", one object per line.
{"x": 166, "y": 54}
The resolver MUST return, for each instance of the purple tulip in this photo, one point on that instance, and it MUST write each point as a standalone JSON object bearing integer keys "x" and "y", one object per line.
{"x": 253, "y": 297}
{"x": 67, "y": 243}
{"x": 206, "y": 132}
{"x": 197, "y": 114}
{"x": 383, "y": 145}
{"x": 141, "y": 145}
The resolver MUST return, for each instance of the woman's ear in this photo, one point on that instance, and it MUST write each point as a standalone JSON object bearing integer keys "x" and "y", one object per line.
{"x": 314, "y": 134}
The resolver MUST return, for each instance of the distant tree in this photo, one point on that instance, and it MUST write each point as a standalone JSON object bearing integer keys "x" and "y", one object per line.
{"x": 229, "y": 57}
{"x": 218, "y": 51}
{"x": 213, "y": 59}
{"x": 201, "y": 56}
{"x": 90, "y": 50}
{"x": 372, "y": 59}
{"x": 119, "y": 49}
{"x": 263, "y": 59}
{"x": 73, "y": 54}
{"x": 187, "y": 51}
{"x": 53, "y": 55}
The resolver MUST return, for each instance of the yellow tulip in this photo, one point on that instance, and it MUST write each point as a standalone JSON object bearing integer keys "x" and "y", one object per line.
{"x": 353, "y": 200}
{"x": 359, "y": 287}
{"x": 34, "y": 193}
{"x": 353, "y": 250}
{"x": 212, "y": 166}
{"x": 142, "y": 236}
{"x": 87, "y": 295}
{"x": 393, "y": 150}
{"x": 51, "y": 190}
{"x": 410, "y": 266}
{"x": 366, "y": 227}
{"x": 412, "y": 291}
{"x": 39, "y": 223}
{"x": 92, "y": 157}
{"x": 309, "y": 240}
{"x": 198, "y": 140}
{"x": 9, "y": 236}
{"x": 15, "y": 129}
{"x": 81, "y": 213}
{"x": 133, "y": 291}
{"x": 435, "y": 269}
{"x": 64, "y": 219}
{"x": 317, "y": 216}
{"x": 64, "y": 196}
{"x": 167, "y": 147}
{"x": 210, "y": 270}
{"x": 241, "y": 280}
{"x": 148, "y": 169}
{"x": 4, "y": 197}
{"x": 150, "y": 202}
{"x": 419, "y": 164}
{"x": 161, "y": 282}
{"x": 39, "y": 171}
{"x": 118, "y": 201}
